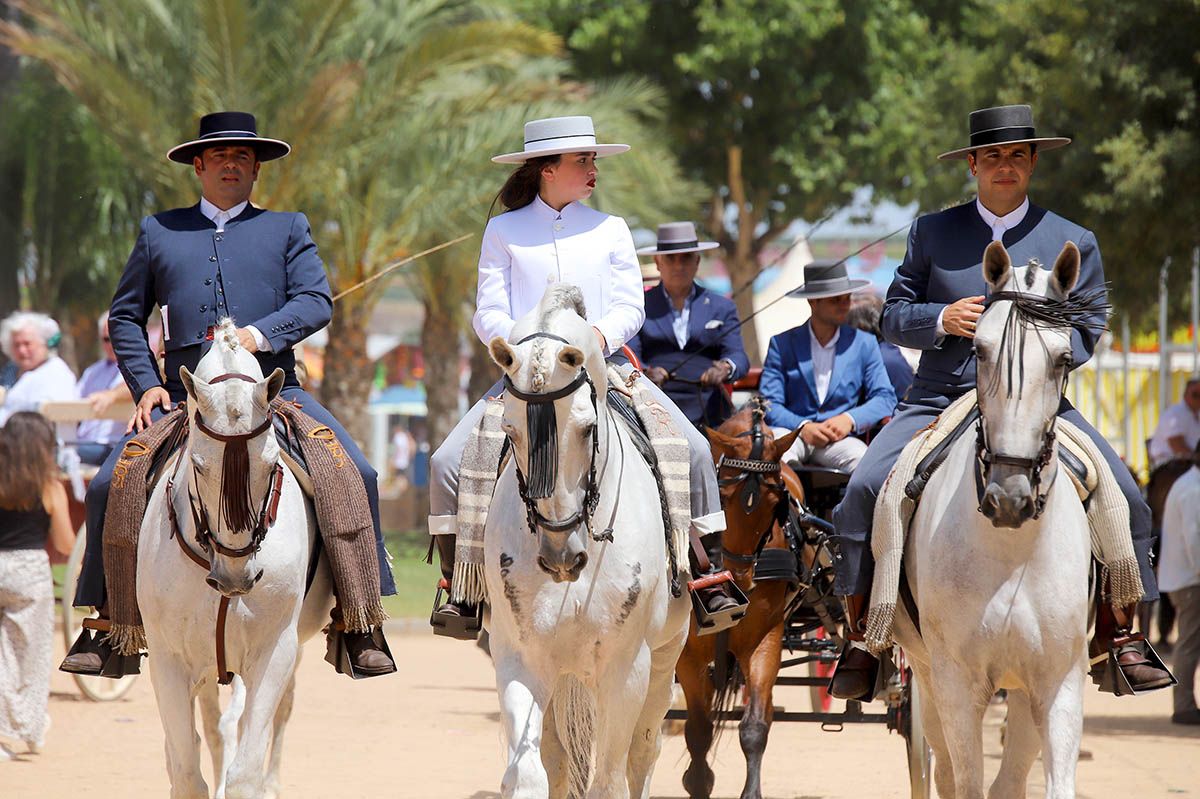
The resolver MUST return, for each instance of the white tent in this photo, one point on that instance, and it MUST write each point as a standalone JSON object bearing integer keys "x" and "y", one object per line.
{"x": 786, "y": 313}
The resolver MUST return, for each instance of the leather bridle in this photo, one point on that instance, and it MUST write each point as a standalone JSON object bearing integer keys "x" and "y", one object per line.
{"x": 754, "y": 475}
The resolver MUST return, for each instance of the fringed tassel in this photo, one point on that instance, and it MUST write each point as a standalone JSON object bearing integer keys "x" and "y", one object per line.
{"x": 878, "y": 637}
{"x": 429, "y": 552}
{"x": 467, "y": 585}
{"x": 127, "y": 639}
{"x": 543, "y": 449}
{"x": 362, "y": 619}
{"x": 1125, "y": 582}
{"x": 235, "y": 486}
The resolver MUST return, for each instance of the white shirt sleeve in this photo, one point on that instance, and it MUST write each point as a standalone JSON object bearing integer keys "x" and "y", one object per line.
{"x": 941, "y": 329}
{"x": 260, "y": 340}
{"x": 493, "y": 296}
{"x": 627, "y": 306}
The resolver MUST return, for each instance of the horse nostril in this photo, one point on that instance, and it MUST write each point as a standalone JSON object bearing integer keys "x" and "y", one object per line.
{"x": 212, "y": 583}
{"x": 580, "y": 561}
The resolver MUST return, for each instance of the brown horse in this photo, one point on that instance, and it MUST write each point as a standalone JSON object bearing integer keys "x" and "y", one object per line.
{"x": 753, "y": 485}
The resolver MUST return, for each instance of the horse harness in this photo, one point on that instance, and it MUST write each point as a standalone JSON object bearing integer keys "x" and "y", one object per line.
{"x": 204, "y": 537}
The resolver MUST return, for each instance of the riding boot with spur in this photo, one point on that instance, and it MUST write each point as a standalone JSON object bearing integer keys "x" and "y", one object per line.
{"x": 1122, "y": 661}
{"x": 857, "y": 669}
{"x": 716, "y": 599}
{"x": 93, "y": 656}
{"x": 452, "y": 619}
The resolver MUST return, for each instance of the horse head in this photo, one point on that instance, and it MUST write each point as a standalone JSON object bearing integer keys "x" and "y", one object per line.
{"x": 751, "y": 481}
{"x": 234, "y": 458}
{"x": 1022, "y": 348}
{"x": 556, "y": 420}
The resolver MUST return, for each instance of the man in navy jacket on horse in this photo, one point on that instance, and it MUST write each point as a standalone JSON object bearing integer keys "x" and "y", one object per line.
{"x": 222, "y": 257}
{"x": 932, "y": 305}
{"x": 691, "y": 342}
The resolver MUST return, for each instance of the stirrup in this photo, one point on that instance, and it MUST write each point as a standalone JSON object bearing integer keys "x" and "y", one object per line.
{"x": 463, "y": 628}
{"x": 112, "y": 664}
{"x": 337, "y": 654}
{"x": 1106, "y": 671}
{"x": 881, "y": 674}
{"x": 708, "y": 623}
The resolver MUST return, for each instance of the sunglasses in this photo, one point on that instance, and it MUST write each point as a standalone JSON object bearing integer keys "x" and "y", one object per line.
{"x": 105, "y": 339}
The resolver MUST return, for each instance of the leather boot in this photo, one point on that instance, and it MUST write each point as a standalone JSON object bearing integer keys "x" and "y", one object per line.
{"x": 719, "y": 597}
{"x": 453, "y": 619}
{"x": 368, "y": 658}
{"x": 89, "y": 652}
{"x": 854, "y": 676}
{"x": 1114, "y": 635}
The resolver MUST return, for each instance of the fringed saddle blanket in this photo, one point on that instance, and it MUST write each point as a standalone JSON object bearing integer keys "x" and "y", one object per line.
{"x": 1107, "y": 513}
{"x": 480, "y": 468}
{"x": 340, "y": 501}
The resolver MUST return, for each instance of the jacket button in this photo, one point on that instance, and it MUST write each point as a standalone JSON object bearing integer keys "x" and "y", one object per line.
{"x": 212, "y": 257}
{"x": 208, "y": 281}
{"x": 199, "y": 335}
{"x": 203, "y": 308}
{"x": 558, "y": 225}
{"x": 218, "y": 237}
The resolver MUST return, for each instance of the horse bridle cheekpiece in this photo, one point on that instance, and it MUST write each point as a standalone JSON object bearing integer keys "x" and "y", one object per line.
{"x": 541, "y": 423}
{"x": 1031, "y": 311}
{"x": 234, "y": 506}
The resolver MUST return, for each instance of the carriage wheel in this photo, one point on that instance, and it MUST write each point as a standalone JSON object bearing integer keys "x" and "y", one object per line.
{"x": 920, "y": 757}
{"x": 97, "y": 689}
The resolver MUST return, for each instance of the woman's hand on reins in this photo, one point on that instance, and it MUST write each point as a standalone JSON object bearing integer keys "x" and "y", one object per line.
{"x": 141, "y": 418}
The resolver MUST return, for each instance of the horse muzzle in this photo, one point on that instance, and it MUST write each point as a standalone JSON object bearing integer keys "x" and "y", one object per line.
{"x": 232, "y": 583}
{"x": 1009, "y": 503}
{"x": 564, "y": 561}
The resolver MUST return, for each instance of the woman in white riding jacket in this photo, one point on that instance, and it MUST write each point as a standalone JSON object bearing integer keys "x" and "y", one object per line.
{"x": 546, "y": 235}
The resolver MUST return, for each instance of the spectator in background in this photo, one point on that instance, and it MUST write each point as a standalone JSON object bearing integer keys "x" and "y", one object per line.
{"x": 102, "y": 385}
{"x": 865, "y": 313}
{"x": 1178, "y": 430}
{"x": 29, "y": 339}
{"x": 1179, "y": 576}
{"x": 33, "y": 512}
{"x": 403, "y": 448}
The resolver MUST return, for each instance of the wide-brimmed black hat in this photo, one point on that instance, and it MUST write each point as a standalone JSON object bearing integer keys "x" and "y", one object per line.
{"x": 1004, "y": 124}
{"x": 229, "y": 128}
{"x": 827, "y": 278}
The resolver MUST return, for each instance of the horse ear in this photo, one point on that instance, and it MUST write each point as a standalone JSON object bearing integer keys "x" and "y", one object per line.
{"x": 720, "y": 439}
{"x": 270, "y": 387}
{"x": 191, "y": 382}
{"x": 997, "y": 265}
{"x": 782, "y": 445}
{"x": 503, "y": 354}
{"x": 1066, "y": 269}
{"x": 571, "y": 357}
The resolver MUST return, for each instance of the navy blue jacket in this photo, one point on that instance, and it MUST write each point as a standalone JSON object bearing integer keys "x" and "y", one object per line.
{"x": 714, "y": 333}
{"x": 944, "y": 263}
{"x": 262, "y": 270}
{"x": 859, "y": 384}
{"x": 898, "y": 369}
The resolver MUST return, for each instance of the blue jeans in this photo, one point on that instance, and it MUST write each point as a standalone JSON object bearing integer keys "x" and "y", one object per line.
{"x": 91, "y": 580}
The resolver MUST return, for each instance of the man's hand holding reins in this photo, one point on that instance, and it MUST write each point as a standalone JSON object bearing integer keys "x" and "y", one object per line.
{"x": 657, "y": 374}
{"x": 246, "y": 339}
{"x": 716, "y": 374}
{"x": 960, "y": 318}
{"x": 141, "y": 419}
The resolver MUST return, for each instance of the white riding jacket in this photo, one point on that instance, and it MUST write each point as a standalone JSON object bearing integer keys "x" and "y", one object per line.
{"x": 526, "y": 250}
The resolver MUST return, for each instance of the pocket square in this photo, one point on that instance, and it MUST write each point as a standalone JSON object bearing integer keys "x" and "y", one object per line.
{"x": 713, "y": 324}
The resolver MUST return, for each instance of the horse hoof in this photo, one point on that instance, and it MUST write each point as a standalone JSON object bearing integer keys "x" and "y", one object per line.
{"x": 699, "y": 782}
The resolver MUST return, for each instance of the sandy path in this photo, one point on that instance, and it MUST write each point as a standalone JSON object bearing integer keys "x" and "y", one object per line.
{"x": 431, "y": 732}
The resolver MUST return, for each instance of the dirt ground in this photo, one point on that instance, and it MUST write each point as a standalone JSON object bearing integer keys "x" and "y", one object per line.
{"x": 431, "y": 732}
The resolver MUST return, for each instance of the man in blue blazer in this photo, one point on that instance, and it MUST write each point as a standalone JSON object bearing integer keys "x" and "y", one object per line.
{"x": 219, "y": 258}
{"x": 826, "y": 377}
{"x": 691, "y": 340}
{"x": 932, "y": 305}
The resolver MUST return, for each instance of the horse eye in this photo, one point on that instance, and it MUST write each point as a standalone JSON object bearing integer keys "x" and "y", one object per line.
{"x": 980, "y": 352}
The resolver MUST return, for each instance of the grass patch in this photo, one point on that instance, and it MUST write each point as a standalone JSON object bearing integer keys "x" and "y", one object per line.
{"x": 416, "y": 580}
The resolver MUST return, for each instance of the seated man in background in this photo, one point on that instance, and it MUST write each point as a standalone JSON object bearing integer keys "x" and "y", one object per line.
{"x": 825, "y": 377}
{"x": 31, "y": 340}
{"x": 865, "y": 312}
{"x": 1178, "y": 429}
{"x": 102, "y": 385}
{"x": 691, "y": 340}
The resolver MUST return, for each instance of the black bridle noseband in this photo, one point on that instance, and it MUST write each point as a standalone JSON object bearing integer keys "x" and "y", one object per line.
{"x": 234, "y": 509}
{"x": 542, "y": 426}
{"x": 753, "y": 474}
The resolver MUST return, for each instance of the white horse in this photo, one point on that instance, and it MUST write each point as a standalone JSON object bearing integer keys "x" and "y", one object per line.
{"x": 1001, "y": 581}
{"x": 584, "y": 632}
{"x": 228, "y": 406}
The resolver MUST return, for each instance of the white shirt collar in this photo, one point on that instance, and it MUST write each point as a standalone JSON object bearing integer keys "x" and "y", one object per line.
{"x": 832, "y": 341}
{"x": 211, "y": 211}
{"x": 540, "y": 206}
{"x": 1009, "y": 220}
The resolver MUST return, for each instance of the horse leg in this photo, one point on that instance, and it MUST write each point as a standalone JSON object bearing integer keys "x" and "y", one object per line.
{"x": 962, "y": 698}
{"x": 693, "y": 676}
{"x": 265, "y": 679}
{"x": 647, "y": 734}
{"x": 282, "y": 714}
{"x": 524, "y": 697}
{"x": 1061, "y": 726}
{"x": 761, "y": 671}
{"x": 220, "y": 731}
{"x": 625, "y": 696}
{"x": 1021, "y": 746}
{"x": 177, "y": 709}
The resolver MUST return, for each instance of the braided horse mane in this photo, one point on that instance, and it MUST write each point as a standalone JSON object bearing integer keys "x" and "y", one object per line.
{"x": 559, "y": 297}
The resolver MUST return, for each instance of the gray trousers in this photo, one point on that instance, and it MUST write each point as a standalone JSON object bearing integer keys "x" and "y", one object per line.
{"x": 853, "y": 517}
{"x": 1187, "y": 648}
{"x": 707, "y": 516}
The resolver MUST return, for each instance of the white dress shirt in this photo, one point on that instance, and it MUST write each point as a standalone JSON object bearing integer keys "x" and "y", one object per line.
{"x": 1179, "y": 564}
{"x": 1176, "y": 420}
{"x": 822, "y": 361}
{"x": 53, "y": 381}
{"x": 219, "y": 218}
{"x": 998, "y": 224}
{"x": 526, "y": 250}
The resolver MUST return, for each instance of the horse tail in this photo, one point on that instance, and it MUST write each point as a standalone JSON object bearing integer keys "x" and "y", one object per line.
{"x": 727, "y": 680}
{"x": 575, "y": 720}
